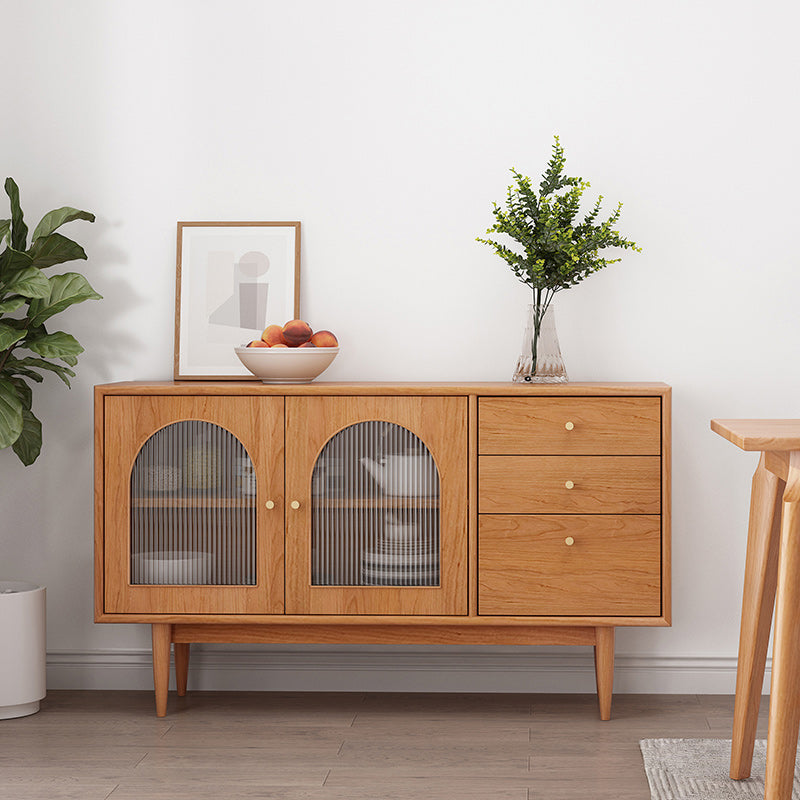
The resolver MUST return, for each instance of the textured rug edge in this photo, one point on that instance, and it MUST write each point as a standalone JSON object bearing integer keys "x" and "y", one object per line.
{"x": 697, "y": 769}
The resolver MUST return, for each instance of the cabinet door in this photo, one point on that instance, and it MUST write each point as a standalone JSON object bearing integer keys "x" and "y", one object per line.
{"x": 376, "y": 494}
{"x": 187, "y": 530}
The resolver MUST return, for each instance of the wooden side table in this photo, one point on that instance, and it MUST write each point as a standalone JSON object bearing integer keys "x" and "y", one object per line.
{"x": 772, "y": 578}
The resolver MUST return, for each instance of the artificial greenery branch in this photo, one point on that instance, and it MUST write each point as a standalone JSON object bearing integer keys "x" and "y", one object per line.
{"x": 556, "y": 250}
{"x": 28, "y": 299}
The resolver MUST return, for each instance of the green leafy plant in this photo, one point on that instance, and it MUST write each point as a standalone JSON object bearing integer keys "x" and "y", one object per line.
{"x": 556, "y": 249}
{"x": 28, "y": 300}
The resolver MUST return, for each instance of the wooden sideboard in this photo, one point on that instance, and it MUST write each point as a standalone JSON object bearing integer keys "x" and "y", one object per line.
{"x": 417, "y": 513}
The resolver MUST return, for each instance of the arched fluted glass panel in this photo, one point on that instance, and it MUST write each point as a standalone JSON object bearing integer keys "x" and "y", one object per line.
{"x": 375, "y": 518}
{"x": 193, "y": 510}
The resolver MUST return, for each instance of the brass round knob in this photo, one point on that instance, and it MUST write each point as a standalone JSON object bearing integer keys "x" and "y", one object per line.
{"x": 295, "y": 504}
{"x": 569, "y": 541}
{"x": 569, "y": 426}
{"x": 270, "y": 504}
{"x": 569, "y": 485}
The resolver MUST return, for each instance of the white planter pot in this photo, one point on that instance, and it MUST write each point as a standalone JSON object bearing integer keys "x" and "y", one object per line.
{"x": 22, "y": 648}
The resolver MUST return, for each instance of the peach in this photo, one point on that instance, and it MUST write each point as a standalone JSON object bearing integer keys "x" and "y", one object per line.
{"x": 280, "y": 344}
{"x": 295, "y": 332}
{"x": 308, "y": 344}
{"x": 324, "y": 339}
{"x": 257, "y": 343}
{"x": 272, "y": 335}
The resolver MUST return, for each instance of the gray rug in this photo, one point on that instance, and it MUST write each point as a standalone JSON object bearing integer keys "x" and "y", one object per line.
{"x": 697, "y": 769}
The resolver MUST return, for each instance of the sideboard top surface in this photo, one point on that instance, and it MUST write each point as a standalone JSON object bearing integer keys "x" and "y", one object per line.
{"x": 248, "y": 387}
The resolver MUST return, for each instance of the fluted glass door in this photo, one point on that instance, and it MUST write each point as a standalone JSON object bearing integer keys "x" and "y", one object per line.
{"x": 375, "y": 518}
{"x": 376, "y": 493}
{"x": 193, "y": 508}
{"x": 193, "y": 505}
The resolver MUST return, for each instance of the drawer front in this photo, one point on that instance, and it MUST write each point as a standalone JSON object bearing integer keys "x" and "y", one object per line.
{"x": 540, "y": 485}
{"x": 569, "y": 425}
{"x": 612, "y": 568}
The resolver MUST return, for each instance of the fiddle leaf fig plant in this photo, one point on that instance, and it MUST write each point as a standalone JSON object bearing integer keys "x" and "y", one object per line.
{"x": 28, "y": 300}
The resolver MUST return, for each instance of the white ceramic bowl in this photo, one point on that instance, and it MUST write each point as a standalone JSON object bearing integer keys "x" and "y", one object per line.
{"x": 173, "y": 567}
{"x": 286, "y": 364}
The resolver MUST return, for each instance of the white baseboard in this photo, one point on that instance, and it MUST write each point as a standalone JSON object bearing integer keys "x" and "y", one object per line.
{"x": 406, "y": 669}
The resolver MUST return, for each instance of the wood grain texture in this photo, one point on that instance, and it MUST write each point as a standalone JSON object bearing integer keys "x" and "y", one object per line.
{"x": 472, "y": 493}
{"x": 388, "y": 621}
{"x": 604, "y": 669}
{"x": 784, "y": 710}
{"x": 182, "y": 652}
{"x": 99, "y": 504}
{"x": 258, "y": 424}
{"x": 666, "y": 506}
{"x": 618, "y": 466}
{"x": 758, "y": 600}
{"x": 488, "y": 634}
{"x": 569, "y": 426}
{"x": 539, "y": 484}
{"x": 372, "y": 388}
{"x": 760, "y": 434}
{"x": 441, "y": 423}
{"x": 162, "y": 639}
{"x": 93, "y": 745}
{"x": 612, "y": 567}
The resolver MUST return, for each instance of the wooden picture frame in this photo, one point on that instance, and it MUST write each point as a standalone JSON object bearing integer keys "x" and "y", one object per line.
{"x": 232, "y": 280}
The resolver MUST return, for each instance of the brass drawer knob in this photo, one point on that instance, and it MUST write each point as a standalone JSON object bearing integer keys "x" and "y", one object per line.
{"x": 295, "y": 504}
{"x": 569, "y": 541}
{"x": 569, "y": 426}
{"x": 569, "y": 485}
{"x": 270, "y": 504}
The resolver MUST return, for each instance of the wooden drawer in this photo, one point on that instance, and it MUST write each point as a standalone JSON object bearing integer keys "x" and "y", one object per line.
{"x": 538, "y": 484}
{"x": 526, "y": 567}
{"x": 539, "y": 425}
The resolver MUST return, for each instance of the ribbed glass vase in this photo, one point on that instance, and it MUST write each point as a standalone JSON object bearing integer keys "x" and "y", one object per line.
{"x": 540, "y": 360}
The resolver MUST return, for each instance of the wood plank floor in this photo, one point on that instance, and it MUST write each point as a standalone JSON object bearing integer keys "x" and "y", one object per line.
{"x": 92, "y": 745}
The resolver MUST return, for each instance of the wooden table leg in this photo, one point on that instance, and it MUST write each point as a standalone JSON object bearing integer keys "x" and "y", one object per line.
{"x": 162, "y": 638}
{"x": 784, "y": 706}
{"x": 604, "y": 669}
{"x": 181, "y": 666}
{"x": 758, "y": 600}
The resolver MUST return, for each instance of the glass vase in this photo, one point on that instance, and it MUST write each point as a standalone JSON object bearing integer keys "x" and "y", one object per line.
{"x": 540, "y": 360}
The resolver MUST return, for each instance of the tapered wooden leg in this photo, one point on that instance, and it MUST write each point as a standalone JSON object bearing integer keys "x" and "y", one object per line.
{"x": 758, "y": 600}
{"x": 181, "y": 666}
{"x": 604, "y": 669}
{"x": 784, "y": 706}
{"x": 162, "y": 638}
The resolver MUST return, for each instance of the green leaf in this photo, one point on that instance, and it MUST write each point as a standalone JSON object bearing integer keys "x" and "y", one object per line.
{"x": 28, "y": 282}
{"x": 29, "y": 443}
{"x": 55, "y": 345}
{"x": 55, "y": 249}
{"x": 10, "y": 335}
{"x": 25, "y": 366}
{"x": 19, "y": 230}
{"x": 55, "y": 219}
{"x": 5, "y": 227}
{"x": 65, "y": 290}
{"x": 24, "y": 392}
{"x": 10, "y": 414}
{"x": 11, "y": 305}
{"x": 13, "y": 367}
{"x": 11, "y": 259}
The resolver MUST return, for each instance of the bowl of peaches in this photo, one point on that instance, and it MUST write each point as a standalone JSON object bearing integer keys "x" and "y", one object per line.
{"x": 290, "y": 353}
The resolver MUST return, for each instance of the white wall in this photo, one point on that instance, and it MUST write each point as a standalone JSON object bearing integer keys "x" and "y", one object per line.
{"x": 388, "y": 128}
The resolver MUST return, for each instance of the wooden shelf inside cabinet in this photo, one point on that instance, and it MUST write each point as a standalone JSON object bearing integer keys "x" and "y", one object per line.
{"x": 381, "y": 502}
{"x": 200, "y": 501}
